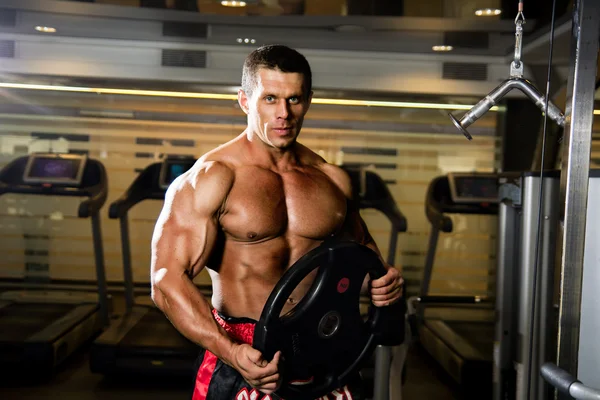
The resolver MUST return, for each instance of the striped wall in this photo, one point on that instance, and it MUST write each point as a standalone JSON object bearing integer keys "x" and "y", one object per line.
{"x": 408, "y": 148}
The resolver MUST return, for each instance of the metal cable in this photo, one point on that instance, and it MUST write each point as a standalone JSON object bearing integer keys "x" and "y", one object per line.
{"x": 540, "y": 203}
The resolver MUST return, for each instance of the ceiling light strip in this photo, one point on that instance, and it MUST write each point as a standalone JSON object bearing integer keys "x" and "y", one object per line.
{"x": 130, "y": 92}
{"x": 395, "y": 104}
{"x": 229, "y": 3}
{"x": 442, "y": 48}
{"x": 219, "y": 96}
{"x": 488, "y": 12}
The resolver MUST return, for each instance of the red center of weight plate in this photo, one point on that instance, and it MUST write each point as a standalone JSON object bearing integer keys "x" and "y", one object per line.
{"x": 343, "y": 285}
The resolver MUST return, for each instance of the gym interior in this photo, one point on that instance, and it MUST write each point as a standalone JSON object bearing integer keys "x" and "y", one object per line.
{"x": 470, "y": 130}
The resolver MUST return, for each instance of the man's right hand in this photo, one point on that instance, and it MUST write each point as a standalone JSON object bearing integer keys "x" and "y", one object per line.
{"x": 258, "y": 372}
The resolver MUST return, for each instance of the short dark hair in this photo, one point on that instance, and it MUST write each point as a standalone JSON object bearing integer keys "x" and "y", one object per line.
{"x": 276, "y": 57}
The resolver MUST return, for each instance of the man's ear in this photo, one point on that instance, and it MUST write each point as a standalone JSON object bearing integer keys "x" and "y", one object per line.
{"x": 243, "y": 100}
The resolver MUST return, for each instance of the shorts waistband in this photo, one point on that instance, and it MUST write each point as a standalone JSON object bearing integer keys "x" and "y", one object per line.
{"x": 239, "y": 329}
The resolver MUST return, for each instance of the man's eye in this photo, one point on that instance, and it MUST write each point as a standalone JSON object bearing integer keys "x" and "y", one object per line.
{"x": 269, "y": 98}
{"x": 294, "y": 100}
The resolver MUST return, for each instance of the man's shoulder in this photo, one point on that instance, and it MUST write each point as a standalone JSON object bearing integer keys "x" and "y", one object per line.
{"x": 337, "y": 174}
{"x": 309, "y": 157}
{"x": 206, "y": 179}
{"x": 222, "y": 159}
{"x": 218, "y": 161}
{"x": 207, "y": 167}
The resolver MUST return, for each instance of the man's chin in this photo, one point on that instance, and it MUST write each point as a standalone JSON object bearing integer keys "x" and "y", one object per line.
{"x": 285, "y": 147}
{"x": 284, "y": 144}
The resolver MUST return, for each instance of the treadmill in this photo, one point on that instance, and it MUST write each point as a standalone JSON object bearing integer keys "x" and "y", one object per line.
{"x": 143, "y": 341}
{"x": 372, "y": 193}
{"x": 39, "y": 329}
{"x": 458, "y": 331}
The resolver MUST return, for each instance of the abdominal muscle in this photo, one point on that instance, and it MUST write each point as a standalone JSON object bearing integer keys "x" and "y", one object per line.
{"x": 250, "y": 270}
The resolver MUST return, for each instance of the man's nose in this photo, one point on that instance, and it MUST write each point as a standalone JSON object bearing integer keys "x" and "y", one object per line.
{"x": 283, "y": 110}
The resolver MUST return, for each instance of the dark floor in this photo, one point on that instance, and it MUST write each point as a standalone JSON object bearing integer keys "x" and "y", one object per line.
{"x": 425, "y": 380}
{"x": 75, "y": 381}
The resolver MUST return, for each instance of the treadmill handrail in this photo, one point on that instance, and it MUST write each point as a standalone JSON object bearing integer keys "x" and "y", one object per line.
{"x": 385, "y": 204}
{"x": 389, "y": 208}
{"x": 96, "y": 194}
{"x": 433, "y": 208}
{"x": 147, "y": 178}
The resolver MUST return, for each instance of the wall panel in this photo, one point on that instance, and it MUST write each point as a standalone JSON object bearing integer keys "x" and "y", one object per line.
{"x": 46, "y": 232}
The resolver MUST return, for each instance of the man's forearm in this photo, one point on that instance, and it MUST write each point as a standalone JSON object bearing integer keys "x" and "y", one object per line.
{"x": 191, "y": 314}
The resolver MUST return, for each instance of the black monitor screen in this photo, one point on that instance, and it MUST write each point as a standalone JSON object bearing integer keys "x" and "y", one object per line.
{"x": 476, "y": 188}
{"x": 65, "y": 169}
{"x": 171, "y": 169}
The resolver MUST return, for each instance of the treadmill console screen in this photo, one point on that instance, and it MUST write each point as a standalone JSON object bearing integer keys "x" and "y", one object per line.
{"x": 171, "y": 169}
{"x": 56, "y": 169}
{"x": 480, "y": 188}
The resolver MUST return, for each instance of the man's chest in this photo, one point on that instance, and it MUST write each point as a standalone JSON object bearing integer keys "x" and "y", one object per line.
{"x": 263, "y": 204}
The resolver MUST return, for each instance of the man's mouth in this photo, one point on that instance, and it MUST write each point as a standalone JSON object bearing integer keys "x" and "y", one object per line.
{"x": 282, "y": 130}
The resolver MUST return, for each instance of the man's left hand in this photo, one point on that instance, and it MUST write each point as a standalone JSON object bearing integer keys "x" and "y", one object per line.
{"x": 387, "y": 289}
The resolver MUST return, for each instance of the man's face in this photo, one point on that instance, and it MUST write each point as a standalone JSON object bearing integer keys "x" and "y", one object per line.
{"x": 276, "y": 107}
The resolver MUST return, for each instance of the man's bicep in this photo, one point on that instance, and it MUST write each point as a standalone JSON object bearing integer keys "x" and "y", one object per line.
{"x": 179, "y": 248}
{"x": 186, "y": 230}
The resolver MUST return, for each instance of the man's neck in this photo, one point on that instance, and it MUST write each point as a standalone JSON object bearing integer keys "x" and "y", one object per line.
{"x": 272, "y": 157}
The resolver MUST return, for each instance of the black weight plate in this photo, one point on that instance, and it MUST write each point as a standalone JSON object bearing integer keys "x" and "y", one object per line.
{"x": 323, "y": 339}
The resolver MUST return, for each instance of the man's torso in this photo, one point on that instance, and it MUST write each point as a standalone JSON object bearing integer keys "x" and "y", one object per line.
{"x": 268, "y": 221}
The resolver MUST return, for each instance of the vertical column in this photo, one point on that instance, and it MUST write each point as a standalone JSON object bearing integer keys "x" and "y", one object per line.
{"x": 506, "y": 291}
{"x": 574, "y": 176}
{"x": 589, "y": 346}
{"x": 520, "y": 129}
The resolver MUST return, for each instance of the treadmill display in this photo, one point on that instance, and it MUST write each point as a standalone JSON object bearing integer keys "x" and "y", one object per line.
{"x": 66, "y": 169}
{"x": 171, "y": 169}
{"x": 474, "y": 188}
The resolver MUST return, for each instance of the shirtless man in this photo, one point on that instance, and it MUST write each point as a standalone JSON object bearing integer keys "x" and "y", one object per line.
{"x": 247, "y": 211}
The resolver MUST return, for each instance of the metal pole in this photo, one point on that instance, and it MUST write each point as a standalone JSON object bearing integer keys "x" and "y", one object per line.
{"x": 383, "y": 354}
{"x": 544, "y": 312}
{"x": 574, "y": 177}
{"x": 127, "y": 270}
{"x": 526, "y": 348}
{"x": 100, "y": 268}
{"x": 425, "y": 283}
{"x": 506, "y": 299}
{"x": 589, "y": 346}
{"x": 383, "y": 361}
{"x": 433, "y": 239}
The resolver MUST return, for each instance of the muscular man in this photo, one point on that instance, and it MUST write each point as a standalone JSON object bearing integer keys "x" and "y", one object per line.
{"x": 247, "y": 211}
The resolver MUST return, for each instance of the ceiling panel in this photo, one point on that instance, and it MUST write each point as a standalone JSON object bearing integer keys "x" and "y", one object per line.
{"x": 461, "y": 9}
